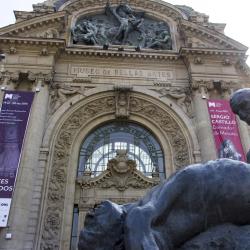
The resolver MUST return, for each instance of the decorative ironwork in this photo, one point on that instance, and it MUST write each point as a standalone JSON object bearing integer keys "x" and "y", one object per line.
{"x": 101, "y": 145}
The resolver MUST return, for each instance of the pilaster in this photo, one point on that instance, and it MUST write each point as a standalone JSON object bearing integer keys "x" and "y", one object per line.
{"x": 203, "y": 125}
{"x": 23, "y": 217}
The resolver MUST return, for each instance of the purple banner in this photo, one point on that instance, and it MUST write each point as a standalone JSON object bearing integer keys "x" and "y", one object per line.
{"x": 225, "y": 130}
{"x": 14, "y": 117}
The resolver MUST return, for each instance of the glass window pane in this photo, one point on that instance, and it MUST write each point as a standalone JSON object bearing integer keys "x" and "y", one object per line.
{"x": 100, "y": 146}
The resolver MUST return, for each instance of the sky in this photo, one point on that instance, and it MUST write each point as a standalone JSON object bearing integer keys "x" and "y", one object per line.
{"x": 236, "y": 15}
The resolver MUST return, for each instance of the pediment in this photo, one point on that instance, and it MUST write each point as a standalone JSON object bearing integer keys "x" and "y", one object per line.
{"x": 45, "y": 26}
{"x": 158, "y": 6}
{"x": 198, "y": 36}
{"x": 43, "y": 23}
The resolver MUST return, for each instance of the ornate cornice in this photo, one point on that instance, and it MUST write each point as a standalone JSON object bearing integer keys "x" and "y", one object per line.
{"x": 203, "y": 86}
{"x": 155, "y": 6}
{"x": 210, "y": 34}
{"x": 59, "y": 43}
{"x": 33, "y": 23}
{"x": 212, "y": 51}
{"x": 40, "y": 77}
{"x": 127, "y": 53}
{"x": 7, "y": 77}
{"x": 33, "y": 78}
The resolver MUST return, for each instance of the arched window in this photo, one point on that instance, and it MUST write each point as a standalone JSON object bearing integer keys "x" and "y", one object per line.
{"x": 101, "y": 144}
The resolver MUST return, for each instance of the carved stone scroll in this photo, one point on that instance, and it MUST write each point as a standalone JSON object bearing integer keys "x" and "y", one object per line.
{"x": 122, "y": 100}
{"x": 168, "y": 124}
{"x": 61, "y": 93}
{"x": 121, "y": 173}
{"x": 180, "y": 95}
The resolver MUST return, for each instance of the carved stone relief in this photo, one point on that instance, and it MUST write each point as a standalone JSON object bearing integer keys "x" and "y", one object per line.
{"x": 61, "y": 93}
{"x": 121, "y": 173}
{"x": 180, "y": 95}
{"x": 121, "y": 25}
{"x": 122, "y": 100}
{"x": 168, "y": 124}
{"x": 54, "y": 208}
{"x": 29, "y": 78}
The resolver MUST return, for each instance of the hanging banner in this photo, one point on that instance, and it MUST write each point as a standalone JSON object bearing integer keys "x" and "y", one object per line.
{"x": 14, "y": 117}
{"x": 225, "y": 130}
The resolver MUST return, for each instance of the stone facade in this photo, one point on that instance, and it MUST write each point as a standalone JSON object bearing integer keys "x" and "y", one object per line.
{"x": 81, "y": 86}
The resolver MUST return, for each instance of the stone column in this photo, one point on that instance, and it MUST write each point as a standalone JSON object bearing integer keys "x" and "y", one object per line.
{"x": 22, "y": 220}
{"x": 202, "y": 121}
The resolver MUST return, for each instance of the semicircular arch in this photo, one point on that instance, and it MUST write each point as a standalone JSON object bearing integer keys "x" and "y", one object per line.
{"x": 66, "y": 133}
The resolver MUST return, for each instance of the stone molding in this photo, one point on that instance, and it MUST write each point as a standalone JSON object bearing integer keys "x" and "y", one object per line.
{"x": 54, "y": 207}
{"x": 210, "y": 34}
{"x": 211, "y": 51}
{"x": 203, "y": 86}
{"x": 159, "y": 7}
{"x": 127, "y": 52}
{"x": 16, "y": 78}
{"x": 58, "y": 43}
{"x": 32, "y": 24}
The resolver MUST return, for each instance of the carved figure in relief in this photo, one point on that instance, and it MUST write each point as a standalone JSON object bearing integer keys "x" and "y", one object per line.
{"x": 86, "y": 32}
{"x": 121, "y": 25}
{"x": 193, "y": 200}
{"x": 161, "y": 41}
{"x": 177, "y": 93}
{"x": 61, "y": 94}
{"x": 122, "y": 104}
{"x": 128, "y": 22}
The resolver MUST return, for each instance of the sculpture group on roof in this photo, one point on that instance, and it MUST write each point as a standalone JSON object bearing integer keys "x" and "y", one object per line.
{"x": 120, "y": 25}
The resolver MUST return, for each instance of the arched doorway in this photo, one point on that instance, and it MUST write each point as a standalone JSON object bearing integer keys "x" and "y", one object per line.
{"x": 69, "y": 132}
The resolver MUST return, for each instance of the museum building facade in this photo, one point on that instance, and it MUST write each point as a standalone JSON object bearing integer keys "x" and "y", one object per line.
{"x": 120, "y": 102}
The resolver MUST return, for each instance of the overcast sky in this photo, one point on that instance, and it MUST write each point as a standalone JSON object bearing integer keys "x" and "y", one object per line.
{"x": 236, "y": 14}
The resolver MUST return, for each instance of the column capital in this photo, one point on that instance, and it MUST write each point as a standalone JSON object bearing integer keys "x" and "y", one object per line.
{"x": 7, "y": 77}
{"x": 40, "y": 77}
{"x": 229, "y": 85}
{"x": 201, "y": 85}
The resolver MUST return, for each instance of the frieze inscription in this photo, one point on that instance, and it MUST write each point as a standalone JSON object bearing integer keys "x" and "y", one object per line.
{"x": 80, "y": 72}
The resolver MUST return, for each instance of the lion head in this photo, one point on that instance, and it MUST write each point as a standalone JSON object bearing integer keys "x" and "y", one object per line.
{"x": 103, "y": 228}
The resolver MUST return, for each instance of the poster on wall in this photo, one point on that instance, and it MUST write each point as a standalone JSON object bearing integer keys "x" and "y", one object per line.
{"x": 225, "y": 130}
{"x": 14, "y": 116}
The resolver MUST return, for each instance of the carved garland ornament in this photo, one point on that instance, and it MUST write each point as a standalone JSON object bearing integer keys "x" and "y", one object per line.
{"x": 57, "y": 184}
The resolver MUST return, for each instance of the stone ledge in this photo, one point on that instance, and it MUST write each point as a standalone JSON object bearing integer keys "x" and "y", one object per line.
{"x": 32, "y": 41}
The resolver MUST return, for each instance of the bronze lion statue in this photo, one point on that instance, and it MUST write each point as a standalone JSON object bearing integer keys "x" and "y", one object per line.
{"x": 191, "y": 202}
